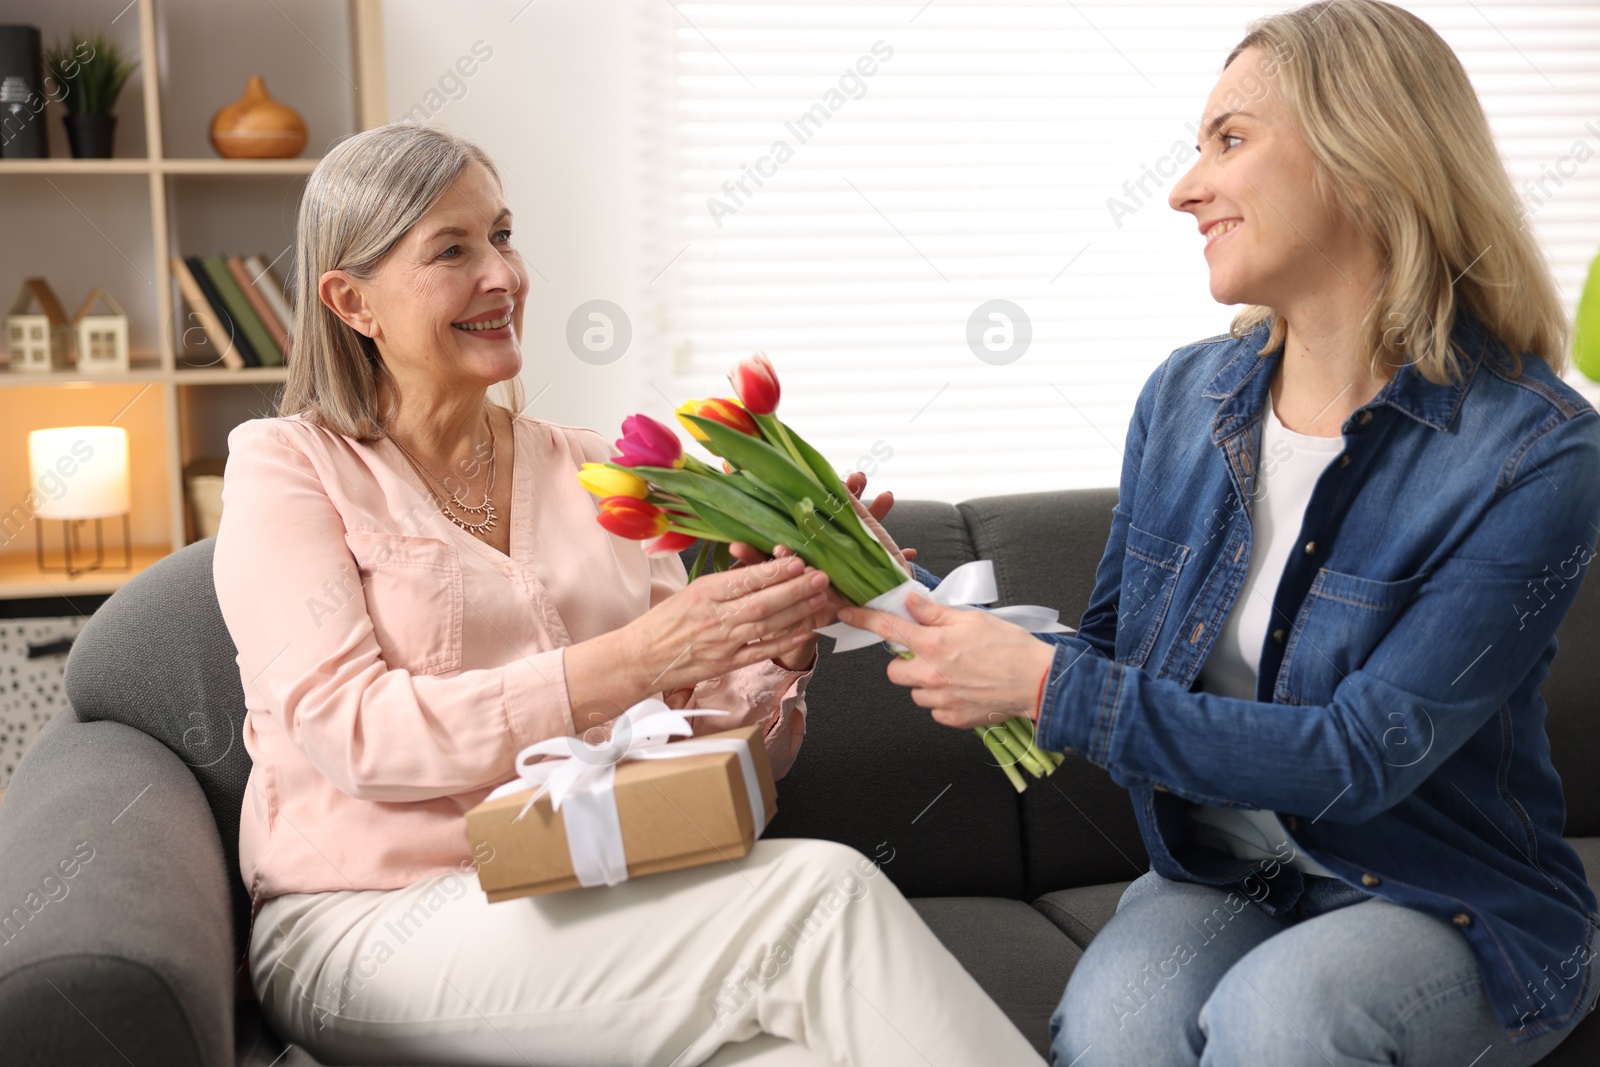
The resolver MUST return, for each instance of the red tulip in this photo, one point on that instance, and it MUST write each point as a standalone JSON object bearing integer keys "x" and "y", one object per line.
{"x": 669, "y": 543}
{"x": 757, "y": 384}
{"x": 632, "y": 518}
{"x": 647, "y": 443}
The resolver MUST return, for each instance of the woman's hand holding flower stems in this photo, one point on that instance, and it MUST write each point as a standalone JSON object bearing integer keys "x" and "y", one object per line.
{"x": 871, "y": 514}
{"x": 717, "y": 624}
{"x": 804, "y": 655}
{"x": 970, "y": 669}
{"x": 966, "y": 666}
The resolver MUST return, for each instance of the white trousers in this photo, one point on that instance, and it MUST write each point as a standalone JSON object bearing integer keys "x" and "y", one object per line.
{"x": 804, "y": 941}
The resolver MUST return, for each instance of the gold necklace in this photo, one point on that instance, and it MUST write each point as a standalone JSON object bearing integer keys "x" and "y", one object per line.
{"x": 486, "y": 509}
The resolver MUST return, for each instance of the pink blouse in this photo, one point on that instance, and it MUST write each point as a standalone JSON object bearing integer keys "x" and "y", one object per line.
{"x": 394, "y": 665}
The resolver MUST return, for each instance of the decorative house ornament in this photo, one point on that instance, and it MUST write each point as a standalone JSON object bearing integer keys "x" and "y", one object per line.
{"x": 257, "y": 126}
{"x": 102, "y": 339}
{"x": 37, "y": 340}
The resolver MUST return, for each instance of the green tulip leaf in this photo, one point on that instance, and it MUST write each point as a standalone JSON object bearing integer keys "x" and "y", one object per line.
{"x": 824, "y": 473}
{"x": 702, "y": 556}
{"x": 760, "y": 459}
{"x": 723, "y": 504}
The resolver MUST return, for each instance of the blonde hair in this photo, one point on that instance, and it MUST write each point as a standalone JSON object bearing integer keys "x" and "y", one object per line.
{"x": 1396, "y": 130}
{"x": 359, "y": 201}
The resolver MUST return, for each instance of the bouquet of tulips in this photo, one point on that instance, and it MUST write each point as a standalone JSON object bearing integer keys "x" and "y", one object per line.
{"x": 772, "y": 489}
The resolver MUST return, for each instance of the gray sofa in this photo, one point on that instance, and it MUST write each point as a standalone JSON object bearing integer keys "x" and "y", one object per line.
{"x": 133, "y": 957}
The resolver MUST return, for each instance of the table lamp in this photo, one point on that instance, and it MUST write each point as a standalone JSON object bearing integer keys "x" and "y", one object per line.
{"x": 80, "y": 473}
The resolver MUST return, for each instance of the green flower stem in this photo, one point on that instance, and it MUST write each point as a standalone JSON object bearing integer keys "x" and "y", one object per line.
{"x": 671, "y": 503}
{"x": 823, "y": 471}
{"x": 694, "y": 528}
{"x": 701, "y": 557}
{"x": 997, "y": 747}
{"x": 1022, "y": 730}
{"x": 871, "y": 573}
{"x": 749, "y": 483}
{"x": 1019, "y": 751}
{"x": 847, "y": 552}
{"x": 699, "y": 466}
{"x": 748, "y": 520}
{"x": 776, "y": 434}
{"x": 862, "y": 571}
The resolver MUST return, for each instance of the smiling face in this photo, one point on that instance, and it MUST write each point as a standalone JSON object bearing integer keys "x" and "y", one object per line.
{"x": 1270, "y": 238}
{"x": 445, "y": 304}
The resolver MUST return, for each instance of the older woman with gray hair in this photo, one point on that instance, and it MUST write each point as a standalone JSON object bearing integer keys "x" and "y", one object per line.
{"x": 418, "y": 589}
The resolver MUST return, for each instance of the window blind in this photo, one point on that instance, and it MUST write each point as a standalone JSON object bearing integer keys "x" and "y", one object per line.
{"x": 853, "y": 187}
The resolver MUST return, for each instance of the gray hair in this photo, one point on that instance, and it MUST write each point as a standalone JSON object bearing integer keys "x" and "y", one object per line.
{"x": 359, "y": 201}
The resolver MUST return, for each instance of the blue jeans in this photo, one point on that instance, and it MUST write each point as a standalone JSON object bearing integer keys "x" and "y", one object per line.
{"x": 1193, "y": 974}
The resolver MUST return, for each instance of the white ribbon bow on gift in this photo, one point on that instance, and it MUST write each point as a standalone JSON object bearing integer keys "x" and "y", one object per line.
{"x": 966, "y": 587}
{"x": 580, "y": 777}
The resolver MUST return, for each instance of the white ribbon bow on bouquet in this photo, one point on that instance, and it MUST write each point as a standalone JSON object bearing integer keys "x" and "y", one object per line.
{"x": 580, "y": 777}
{"x": 965, "y": 588}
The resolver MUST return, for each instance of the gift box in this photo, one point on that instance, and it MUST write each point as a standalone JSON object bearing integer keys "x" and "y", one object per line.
{"x": 672, "y": 810}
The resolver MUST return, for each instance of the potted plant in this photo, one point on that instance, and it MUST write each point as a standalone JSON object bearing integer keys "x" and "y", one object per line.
{"x": 89, "y": 77}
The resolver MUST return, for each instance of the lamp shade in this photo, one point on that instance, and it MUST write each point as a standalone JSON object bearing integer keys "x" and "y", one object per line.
{"x": 79, "y": 472}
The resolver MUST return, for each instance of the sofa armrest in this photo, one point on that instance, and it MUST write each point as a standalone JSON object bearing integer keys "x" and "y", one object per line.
{"x": 115, "y": 936}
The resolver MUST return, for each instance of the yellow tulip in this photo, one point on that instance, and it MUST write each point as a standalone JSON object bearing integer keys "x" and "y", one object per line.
{"x": 604, "y": 481}
{"x": 691, "y": 407}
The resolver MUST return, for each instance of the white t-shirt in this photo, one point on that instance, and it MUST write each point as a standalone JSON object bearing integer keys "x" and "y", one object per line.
{"x": 1289, "y": 465}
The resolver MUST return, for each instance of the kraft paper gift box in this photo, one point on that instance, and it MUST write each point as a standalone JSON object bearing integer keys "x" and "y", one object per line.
{"x": 673, "y": 813}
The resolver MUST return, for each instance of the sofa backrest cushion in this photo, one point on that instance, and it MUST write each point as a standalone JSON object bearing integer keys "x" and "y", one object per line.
{"x": 157, "y": 657}
{"x": 1078, "y": 825}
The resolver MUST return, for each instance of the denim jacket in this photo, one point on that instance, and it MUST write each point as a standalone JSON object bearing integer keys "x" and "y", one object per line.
{"x": 1397, "y": 727}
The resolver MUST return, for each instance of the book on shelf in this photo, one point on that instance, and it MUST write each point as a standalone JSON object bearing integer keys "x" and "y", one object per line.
{"x": 244, "y": 316}
{"x": 270, "y": 286}
{"x": 240, "y": 305}
{"x": 217, "y": 335}
{"x": 259, "y": 304}
{"x": 231, "y": 329}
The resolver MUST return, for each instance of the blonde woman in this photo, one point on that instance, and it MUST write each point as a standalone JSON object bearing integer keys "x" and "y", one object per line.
{"x": 418, "y": 588}
{"x": 1346, "y": 534}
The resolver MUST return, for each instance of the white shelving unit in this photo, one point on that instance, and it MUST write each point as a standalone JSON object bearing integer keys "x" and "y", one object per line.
{"x": 174, "y": 410}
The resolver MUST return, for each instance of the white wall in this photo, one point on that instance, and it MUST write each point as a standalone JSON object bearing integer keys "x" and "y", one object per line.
{"x": 553, "y": 106}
